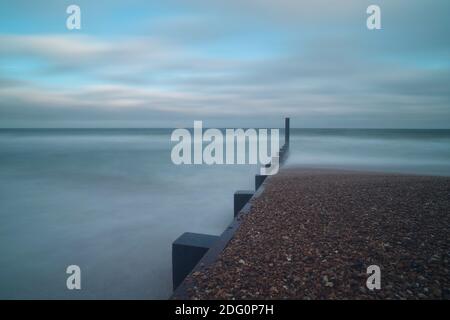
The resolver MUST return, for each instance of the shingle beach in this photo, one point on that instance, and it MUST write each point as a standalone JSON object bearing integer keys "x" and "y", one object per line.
{"x": 313, "y": 233}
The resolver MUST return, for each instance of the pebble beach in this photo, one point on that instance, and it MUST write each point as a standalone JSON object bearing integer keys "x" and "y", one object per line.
{"x": 312, "y": 234}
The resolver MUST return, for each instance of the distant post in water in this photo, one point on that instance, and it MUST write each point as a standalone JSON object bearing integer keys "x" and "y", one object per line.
{"x": 286, "y": 131}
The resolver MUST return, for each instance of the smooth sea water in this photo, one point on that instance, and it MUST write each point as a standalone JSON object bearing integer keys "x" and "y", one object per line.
{"x": 112, "y": 202}
{"x": 404, "y": 151}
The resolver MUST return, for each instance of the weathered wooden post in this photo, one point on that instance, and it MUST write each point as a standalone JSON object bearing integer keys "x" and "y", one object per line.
{"x": 241, "y": 198}
{"x": 259, "y": 179}
{"x": 187, "y": 251}
{"x": 287, "y": 131}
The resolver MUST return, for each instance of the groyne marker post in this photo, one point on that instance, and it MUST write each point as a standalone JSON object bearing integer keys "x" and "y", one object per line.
{"x": 259, "y": 179}
{"x": 240, "y": 200}
{"x": 187, "y": 251}
{"x": 287, "y": 129}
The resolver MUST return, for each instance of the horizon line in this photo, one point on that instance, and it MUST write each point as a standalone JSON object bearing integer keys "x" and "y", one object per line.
{"x": 206, "y": 128}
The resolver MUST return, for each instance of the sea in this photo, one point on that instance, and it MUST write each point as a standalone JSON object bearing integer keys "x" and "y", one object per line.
{"x": 111, "y": 201}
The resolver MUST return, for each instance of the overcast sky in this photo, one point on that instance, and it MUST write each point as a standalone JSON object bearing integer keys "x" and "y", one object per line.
{"x": 226, "y": 62}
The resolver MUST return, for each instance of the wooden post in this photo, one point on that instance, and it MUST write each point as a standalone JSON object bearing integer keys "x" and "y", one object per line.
{"x": 287, "y": 131}
{"x": 240, "y": 200}
{"x": 259, "y": 179}
{"x": 187, "y": 251}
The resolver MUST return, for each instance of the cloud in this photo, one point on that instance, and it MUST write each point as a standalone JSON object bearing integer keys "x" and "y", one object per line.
{"x": 255, "y": 61}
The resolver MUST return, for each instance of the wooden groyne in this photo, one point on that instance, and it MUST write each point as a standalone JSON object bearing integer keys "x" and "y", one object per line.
{"x": 192, "y": 251}
{"x": 316, "y": 234}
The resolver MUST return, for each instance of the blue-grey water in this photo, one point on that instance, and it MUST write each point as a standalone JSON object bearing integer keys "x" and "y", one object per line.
{"x": 403, "y": 151}
{"x": 112, "y": 202}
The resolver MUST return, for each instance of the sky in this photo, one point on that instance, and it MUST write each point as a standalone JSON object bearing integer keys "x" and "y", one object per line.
{"x": 229, "y": 63}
